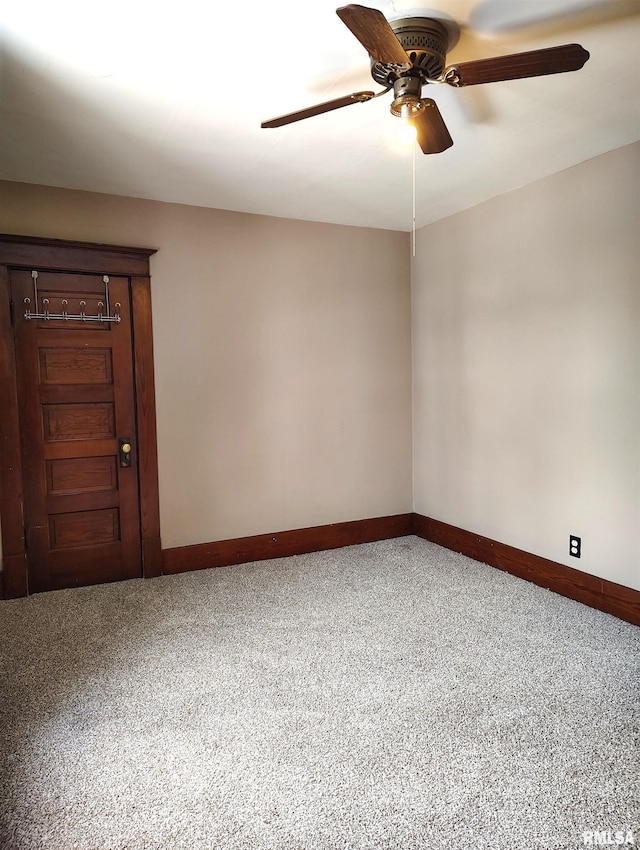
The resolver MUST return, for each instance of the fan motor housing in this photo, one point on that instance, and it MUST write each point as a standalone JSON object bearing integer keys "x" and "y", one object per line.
{"x": 426, "y": 41}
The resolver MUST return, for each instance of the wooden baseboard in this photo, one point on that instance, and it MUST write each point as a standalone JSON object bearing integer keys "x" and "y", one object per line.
{"x": 622, "y": 602}
{"x": 241, "y": 550}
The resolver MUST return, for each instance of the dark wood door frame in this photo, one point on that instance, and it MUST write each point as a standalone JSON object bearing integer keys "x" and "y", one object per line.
{"x": 61, "y": 255}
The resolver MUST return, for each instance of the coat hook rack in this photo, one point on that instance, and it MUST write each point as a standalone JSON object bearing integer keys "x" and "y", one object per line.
{"x": 103, "y": 314}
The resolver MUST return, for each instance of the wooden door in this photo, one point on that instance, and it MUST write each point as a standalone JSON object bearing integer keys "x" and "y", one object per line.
{"x": 75, "y": 383}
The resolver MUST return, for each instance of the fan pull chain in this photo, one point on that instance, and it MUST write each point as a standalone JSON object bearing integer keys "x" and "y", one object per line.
{"x": 413, "y": 217}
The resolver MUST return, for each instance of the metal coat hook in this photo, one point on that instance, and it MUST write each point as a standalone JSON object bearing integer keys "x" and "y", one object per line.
{"x": 65, "y": 316}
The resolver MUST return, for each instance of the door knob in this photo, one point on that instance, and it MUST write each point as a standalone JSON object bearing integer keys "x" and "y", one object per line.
{"x": 125, "y": 451}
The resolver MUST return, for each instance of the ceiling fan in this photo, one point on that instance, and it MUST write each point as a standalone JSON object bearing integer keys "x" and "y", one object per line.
{"x": 411, "y": 52}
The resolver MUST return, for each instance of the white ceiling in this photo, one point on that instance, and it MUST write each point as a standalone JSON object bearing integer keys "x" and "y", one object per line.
{"x": 165, "y": 101}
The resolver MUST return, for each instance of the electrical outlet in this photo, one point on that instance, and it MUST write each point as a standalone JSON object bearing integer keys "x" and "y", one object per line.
{"x": 575, "y": 545}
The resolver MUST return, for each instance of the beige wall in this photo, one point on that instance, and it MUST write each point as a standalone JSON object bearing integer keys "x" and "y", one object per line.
{"x": 283, "y": 362}
{"x": 526, "y": 367}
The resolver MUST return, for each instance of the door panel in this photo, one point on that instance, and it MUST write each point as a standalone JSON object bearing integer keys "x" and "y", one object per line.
{"x": 73, "y": 421}
{"x": 84, "y": 528}
{"x": 76, "y": 400}
{"x": 81, "y": 475}
{"x": 70, "y": 366}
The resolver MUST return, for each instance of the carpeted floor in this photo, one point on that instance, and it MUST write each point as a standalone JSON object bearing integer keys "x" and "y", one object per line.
{"x": 392, "y": 696}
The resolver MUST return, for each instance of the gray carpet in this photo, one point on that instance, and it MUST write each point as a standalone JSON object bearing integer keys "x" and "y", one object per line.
{"x": 392, "y": 696}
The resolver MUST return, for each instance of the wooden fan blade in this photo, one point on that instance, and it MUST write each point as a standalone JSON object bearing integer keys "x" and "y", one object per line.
{"x": 433, "y": 136}
{"x": 372, "y": 30}
{"x": 327, "y": 106}
{"x": 515, "y": 66}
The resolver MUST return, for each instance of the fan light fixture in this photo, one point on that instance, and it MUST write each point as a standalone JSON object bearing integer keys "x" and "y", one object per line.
{"x": 406, "y": 133}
